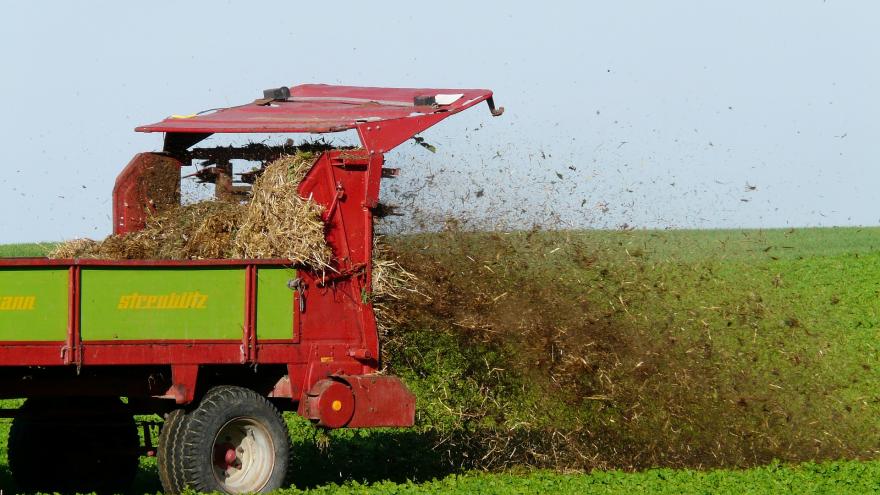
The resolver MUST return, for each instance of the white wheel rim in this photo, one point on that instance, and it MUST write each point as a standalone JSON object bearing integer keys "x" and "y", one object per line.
{"x": 243, "y": 456}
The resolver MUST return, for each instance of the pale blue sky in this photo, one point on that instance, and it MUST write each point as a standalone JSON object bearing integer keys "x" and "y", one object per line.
{"x": 655, "y": 114}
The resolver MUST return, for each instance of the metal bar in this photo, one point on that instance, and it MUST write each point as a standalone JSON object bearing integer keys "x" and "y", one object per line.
{"x": 340, "y": 192}
{"x": 34, "y": 262}
{"x": 147, "y": 263}
{"x": 370, "y": 335}
{"x": 183, "y": 379}
{"x": 368, "y": 249}
{"x": 339, "y": 219}
{"x": 251, "y": 312}
{"x": 348, "y": 100}
{"x": 22, "y": 353}
{"x": 183, "y": 263}
{"x": 67, "y": 349}
{"x": 373, "y": 180}
{"x": 148, "y": 353}
{"x": 77, "y": 330}
{"x": 298, "y": 308}
{"x": 245, "y": 328}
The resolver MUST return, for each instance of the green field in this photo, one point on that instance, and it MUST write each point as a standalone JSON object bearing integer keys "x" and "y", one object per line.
{"x": 709, "y": 354}
{"x": 24, "y": 250}
{"x": 833, "y": 477}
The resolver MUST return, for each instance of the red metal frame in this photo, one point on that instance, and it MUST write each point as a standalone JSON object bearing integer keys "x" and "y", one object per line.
{"x": 67, "y": 352}
{"x": 335, "y": 337}
{"x": 249, "y": 350}
{"x": 47, "y": 262}
{"x": 319, "y": 108}
{"x": 77, "y": 302}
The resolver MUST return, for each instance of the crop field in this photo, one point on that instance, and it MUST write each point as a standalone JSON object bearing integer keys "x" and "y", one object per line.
{"x": 610, "y": 362}
{"x": 17, "y": 250}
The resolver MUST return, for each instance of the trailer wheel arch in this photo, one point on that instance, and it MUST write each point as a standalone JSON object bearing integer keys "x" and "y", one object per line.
{"x": 190, "y": 383}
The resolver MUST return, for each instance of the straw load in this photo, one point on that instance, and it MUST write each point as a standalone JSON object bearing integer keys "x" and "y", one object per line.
{"x": 201, "y": 230}
{"x": 275, "y": 223}
{"x": 391, "y": 284}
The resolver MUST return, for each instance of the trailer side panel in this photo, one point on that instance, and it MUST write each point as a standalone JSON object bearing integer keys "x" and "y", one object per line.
{"x": 276, "y": 304}
{"x": 162, "y": 303}
{"x": 33, "y": 304}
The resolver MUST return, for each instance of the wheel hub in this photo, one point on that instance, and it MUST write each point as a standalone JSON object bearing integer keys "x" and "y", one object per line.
{"x": 231, "y": 458}
{"x": 244, "y": 456}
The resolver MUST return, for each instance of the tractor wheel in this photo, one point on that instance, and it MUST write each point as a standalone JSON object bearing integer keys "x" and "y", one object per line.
{"x": 74, "y": 445}
{"x": 168, "y": 458}
{"x": 234, "y": 442}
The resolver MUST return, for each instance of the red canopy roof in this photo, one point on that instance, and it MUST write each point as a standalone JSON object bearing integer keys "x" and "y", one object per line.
{"x": 323, "y": 108}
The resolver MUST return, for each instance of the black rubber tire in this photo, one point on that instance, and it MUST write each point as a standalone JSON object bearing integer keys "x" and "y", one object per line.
{"x": 219, "y": 406}
{"x": 169, "y": 454}
{"x": 74, "y": 445}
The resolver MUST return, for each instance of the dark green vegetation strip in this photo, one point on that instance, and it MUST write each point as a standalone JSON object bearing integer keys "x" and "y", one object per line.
{"x": 626, "y": 350}
{"x": 832, "y": 477}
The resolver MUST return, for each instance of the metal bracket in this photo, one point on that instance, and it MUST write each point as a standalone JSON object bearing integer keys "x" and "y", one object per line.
{"x": 299, "y": 286}
{"x": 330, "y": 279}
{"x": 281, "y": 93}
{"x": 340, "y": 194}
{"x": 496, "y": 112}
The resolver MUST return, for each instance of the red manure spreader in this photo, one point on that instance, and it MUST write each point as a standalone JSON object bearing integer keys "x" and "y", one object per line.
{"x": 217, "y": 347}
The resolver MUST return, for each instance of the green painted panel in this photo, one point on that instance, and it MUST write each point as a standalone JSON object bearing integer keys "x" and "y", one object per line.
{"x": 33, "y": 304}
{"x": 275, "y": 303}
{"x": 162, "y": 303}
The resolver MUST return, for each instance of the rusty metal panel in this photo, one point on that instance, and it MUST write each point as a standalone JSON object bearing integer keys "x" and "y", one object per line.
{"x": 381, "y": 400}
{"x": 149, "y": 184}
